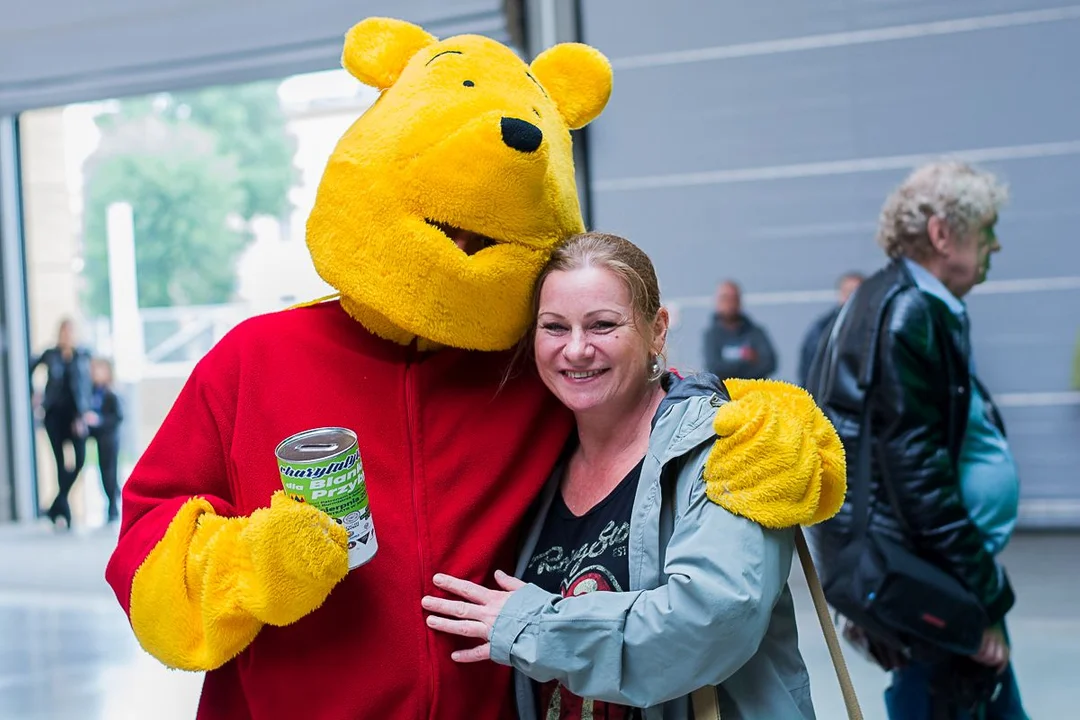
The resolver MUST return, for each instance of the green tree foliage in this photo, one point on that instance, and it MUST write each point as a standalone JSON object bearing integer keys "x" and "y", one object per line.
{"x": 250, "y": 126}
{"x": 195, "y": 166}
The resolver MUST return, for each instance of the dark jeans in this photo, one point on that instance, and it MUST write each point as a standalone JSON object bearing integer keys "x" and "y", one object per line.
{"x": 60, "y": 429}
{"x": 108, "y": 448}
{"x": 908, "y": 698}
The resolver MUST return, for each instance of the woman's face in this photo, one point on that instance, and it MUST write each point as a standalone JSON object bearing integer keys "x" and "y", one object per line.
{"x": 589, "y": 350}
{"x": 65, "y": 336}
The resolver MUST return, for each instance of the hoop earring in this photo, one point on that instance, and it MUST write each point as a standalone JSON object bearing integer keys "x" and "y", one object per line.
{"x": 656, "y": 369}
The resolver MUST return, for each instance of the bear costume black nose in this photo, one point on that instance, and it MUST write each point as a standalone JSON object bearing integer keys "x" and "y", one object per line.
{"x": 521, "y": 135}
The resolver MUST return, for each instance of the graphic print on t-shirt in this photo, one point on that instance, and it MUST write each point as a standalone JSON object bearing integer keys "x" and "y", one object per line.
{"x": 576, "y": 556}
{"x": 604, "y": 553}
{"x": 592, "y": 579}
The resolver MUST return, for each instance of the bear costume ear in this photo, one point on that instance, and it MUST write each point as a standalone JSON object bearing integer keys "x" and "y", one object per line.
{"x": 378, "y": 49}
{"x": 578, "y": 79}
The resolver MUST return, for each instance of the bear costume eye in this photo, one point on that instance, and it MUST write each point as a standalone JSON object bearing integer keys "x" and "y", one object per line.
{"x": 530, "y": 75}
{"x": 468, "y": 83}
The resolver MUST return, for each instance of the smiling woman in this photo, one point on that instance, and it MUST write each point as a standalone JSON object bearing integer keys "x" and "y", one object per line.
{"x": 600, "y": 328}
{"x": 584, "y": 580}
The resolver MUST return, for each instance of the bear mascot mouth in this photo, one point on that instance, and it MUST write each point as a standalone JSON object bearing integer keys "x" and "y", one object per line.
{"x": 466, "y": 241}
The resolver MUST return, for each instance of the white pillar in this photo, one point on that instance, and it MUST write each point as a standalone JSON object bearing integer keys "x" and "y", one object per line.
{"x": 129, "y": 351}
{"x": 127, "y": 331}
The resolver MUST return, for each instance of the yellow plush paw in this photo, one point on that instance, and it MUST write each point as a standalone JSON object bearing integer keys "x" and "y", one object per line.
{"x": 778, "y": 460}
{"x": 298, "y": 554}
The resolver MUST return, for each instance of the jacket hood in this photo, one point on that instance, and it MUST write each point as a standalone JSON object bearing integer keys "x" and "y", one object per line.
{"x": 679, "y": 389}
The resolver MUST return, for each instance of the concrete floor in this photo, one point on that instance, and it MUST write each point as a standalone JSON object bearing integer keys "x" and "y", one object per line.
{"x": 66, "y": 650}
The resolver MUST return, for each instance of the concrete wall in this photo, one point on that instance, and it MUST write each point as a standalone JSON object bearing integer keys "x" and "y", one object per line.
{"x": 758, "y": 141}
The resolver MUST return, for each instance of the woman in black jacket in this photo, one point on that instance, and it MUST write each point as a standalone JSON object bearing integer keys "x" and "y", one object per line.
{"x": 105, "y": 419}
{"x": 66, "y": 404}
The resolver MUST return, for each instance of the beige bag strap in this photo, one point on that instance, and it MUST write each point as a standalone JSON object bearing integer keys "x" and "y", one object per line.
{"x": 706, "y": 706}
{"x": 851, "y": 702}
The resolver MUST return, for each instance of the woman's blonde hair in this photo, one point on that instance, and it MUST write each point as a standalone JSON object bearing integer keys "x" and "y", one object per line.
{"x": 617, "y": 255}
{"x": 954, "y": 191}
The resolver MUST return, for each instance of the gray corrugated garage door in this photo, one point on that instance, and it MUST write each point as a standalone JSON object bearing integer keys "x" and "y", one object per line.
{"x": 757, "y": 141}
{"x": 53, "y": 53}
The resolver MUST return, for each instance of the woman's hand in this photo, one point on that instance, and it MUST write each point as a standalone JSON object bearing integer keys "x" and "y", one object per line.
{"x": 475, "y": 613}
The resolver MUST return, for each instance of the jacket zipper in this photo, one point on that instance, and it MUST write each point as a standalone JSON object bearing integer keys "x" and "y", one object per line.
{"x": 427, "y": 708}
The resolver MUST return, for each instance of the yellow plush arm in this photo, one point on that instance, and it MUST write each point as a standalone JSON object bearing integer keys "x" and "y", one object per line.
{"x": 211, "y": 583}
{"x": 778, "y": 460}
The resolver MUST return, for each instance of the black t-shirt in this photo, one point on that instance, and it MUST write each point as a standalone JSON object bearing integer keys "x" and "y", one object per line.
{"x": 577, "y": 555}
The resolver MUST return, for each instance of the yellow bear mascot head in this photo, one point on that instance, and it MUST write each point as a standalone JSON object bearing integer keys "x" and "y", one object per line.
{"x": 441, "y": 204}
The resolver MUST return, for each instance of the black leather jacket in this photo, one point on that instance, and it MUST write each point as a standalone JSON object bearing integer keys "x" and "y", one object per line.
{"x": 77, "y": 380}
{"x": 910, "y": 349}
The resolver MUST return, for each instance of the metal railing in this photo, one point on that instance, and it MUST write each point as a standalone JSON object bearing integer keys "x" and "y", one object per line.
{"x": 174, "y": 338}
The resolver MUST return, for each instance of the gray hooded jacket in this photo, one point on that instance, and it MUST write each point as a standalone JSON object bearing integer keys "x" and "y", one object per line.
{"x": 708, "y": 602}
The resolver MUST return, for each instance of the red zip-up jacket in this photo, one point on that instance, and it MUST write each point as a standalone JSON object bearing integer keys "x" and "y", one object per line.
{"x": 452, "y": 464}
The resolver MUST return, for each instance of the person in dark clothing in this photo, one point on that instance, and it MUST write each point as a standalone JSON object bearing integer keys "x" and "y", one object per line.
{"x": 735, "y": 346}
{"x": 845, "y": 285}
{"x": 106, "y": 415}
{"x": 941, "y": 476}
{"x": 66, "y": 406}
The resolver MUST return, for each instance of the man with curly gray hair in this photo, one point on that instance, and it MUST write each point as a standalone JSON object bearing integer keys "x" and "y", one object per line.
{"x": 929, "y": 218}
{"x": 929, "y": 466}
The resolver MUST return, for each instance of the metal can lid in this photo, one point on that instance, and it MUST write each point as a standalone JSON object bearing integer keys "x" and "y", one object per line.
{"x": 316, "y": 444}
